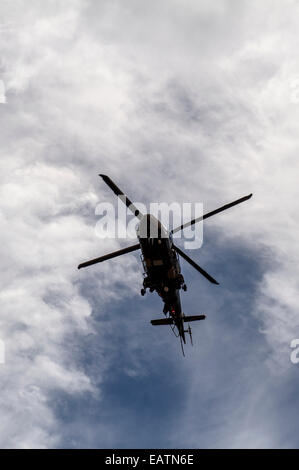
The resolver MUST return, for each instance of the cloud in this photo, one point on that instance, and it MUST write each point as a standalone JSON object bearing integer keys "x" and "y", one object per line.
{"x": 177, "y": 103}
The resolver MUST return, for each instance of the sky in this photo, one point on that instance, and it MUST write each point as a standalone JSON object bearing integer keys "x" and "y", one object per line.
{"x": 187, "y": 101}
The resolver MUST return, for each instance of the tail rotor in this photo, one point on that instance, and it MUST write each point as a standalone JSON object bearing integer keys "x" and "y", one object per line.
{"x": 189, "y": 331}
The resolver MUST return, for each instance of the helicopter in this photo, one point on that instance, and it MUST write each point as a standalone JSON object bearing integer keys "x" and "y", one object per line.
{"x": 161, "y": 263}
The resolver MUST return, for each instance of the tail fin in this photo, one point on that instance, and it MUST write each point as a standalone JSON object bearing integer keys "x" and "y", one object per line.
{"x": 193, "y": 317}
{"x": 162, "y": 321}
{"x": 169, "y": 321}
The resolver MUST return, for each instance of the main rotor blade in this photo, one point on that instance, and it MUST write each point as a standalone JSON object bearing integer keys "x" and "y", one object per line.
{"x": 109, "y": 256}
{"x": 195, "y": 265}
{"x": 209, "y": 214}
{"x": 122, "y": 196}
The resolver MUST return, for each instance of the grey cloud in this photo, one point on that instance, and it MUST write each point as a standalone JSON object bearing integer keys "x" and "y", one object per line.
{"x": 195, "y": 101}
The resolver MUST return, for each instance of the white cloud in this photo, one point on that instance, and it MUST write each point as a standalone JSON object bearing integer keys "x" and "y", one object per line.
{"x": 195, "y": 101}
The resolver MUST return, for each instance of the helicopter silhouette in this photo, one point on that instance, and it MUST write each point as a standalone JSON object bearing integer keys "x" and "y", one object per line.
{"x": 161, "y": 263}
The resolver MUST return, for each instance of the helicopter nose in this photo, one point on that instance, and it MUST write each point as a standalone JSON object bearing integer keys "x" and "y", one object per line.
{"x": 151, "y": 227}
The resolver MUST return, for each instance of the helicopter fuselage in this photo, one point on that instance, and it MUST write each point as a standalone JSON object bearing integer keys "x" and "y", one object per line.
{"x": 162, "y": 269}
